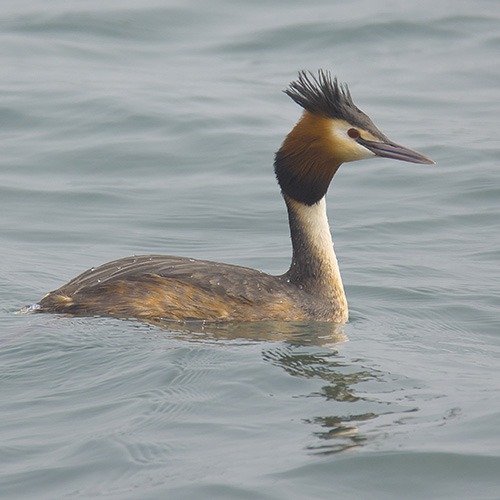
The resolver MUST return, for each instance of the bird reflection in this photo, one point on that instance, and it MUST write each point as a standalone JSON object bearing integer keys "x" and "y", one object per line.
{"x": 339, "y": 432}
{"x": 309, "y": 350}
{"x": 325, "y": 334}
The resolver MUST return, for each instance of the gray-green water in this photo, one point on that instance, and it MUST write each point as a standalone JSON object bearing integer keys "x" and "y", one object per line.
{"x": 149, "y": 127}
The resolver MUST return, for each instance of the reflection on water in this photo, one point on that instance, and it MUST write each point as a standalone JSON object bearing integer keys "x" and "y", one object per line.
{"x": 295, "y": 333}
{"x": 346, "y": 393}
{"x": 311, "y": 351}
{"x": 340, "y": 433}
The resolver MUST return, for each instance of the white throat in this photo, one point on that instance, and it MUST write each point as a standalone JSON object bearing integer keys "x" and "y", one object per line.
{"x": 314, "y": 222}
{"x": 313, "y": 252}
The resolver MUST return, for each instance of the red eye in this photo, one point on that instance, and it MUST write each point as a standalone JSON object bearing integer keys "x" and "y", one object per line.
{"x": 353, "y": 133}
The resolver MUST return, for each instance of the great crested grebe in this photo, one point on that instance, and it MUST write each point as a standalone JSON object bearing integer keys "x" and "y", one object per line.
{"x": 331, "y": 131}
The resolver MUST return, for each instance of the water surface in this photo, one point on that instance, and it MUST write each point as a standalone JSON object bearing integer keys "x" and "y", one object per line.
{"x": 150, "y": 127}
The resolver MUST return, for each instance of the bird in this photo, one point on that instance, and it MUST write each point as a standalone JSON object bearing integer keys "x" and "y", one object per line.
{"x": 331, "y": 130}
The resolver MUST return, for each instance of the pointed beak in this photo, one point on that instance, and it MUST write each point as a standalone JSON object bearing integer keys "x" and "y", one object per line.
{"x": 388, "y": 149}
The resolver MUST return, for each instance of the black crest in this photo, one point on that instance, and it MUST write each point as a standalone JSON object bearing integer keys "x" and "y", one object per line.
{"x": 324, "y": 95}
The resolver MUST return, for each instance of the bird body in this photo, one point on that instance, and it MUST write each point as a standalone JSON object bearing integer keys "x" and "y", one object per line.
{"x": 184, "y": 289}
{"x": 331, "y": 131}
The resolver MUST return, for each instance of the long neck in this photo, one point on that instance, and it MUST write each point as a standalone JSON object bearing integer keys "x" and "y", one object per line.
{"x": 314, "y": 264}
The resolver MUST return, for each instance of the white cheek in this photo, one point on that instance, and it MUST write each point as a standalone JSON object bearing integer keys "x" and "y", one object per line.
{"x": 362, "y": 153}
{"x": 349, "y": 149}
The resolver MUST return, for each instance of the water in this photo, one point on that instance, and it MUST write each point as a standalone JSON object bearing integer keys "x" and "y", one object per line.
{"x": 149, "y": 127}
